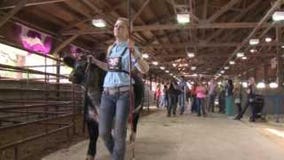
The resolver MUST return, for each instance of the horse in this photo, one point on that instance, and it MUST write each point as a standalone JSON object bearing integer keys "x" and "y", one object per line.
{"x": 91, "y": 77}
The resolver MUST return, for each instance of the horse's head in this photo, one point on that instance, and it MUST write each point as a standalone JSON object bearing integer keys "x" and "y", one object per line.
{"x": 77, "y": 75}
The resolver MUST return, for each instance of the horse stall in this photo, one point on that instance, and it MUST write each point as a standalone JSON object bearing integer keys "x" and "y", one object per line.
{"x": 36, "y": 114}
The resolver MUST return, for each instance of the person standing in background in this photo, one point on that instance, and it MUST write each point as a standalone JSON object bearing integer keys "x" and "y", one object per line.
{"x": 229, "y": 98}
{"x": 212, "y": 94}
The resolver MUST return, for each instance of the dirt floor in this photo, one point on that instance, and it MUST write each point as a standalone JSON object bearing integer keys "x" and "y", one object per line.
{"x": 189, "y": 137}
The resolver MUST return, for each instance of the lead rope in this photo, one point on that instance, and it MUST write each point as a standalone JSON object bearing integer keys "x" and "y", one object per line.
{"x": 131, "y": 95}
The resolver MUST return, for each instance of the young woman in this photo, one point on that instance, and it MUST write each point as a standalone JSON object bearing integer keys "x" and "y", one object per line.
{"x": 114, "y": 109}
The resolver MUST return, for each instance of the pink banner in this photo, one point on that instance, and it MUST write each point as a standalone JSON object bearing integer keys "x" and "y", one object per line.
{"x": 34, "y": 41}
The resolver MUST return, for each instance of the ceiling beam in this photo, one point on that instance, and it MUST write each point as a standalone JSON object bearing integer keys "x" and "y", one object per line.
{"x": 190, "y": 44}
{"x": 208, "y": 55}
{"x": 82, "y": 32}
{"x": 12, "y": 12}
{"x": 82, "y": 21}
{"x": 12, "y": 3}
{"x": 237, "y": 18}
{"x": 275, "y": 5}
{"x": 222, "y": 10}
{"x": 181, "y": 27}
{"x": 205, "y": 45}
{"x": 230, "y": 25}
{"x": 140, "y": 10}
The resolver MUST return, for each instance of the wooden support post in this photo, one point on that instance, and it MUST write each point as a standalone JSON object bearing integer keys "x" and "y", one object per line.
{"x": 279, "y": 59}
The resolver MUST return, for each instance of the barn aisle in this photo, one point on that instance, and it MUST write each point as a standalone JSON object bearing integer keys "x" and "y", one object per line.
{"x": 188, "y": 137}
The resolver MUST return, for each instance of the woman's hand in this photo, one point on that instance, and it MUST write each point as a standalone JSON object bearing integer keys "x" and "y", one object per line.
{"x": 130, "y": 43}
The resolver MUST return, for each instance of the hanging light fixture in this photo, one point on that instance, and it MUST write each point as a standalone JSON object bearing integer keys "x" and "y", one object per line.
{"x": 232, "y": 62}
{"x": 252, "y": 50}
{"x": 183, "y": 18}
{"x": 190, "y": 54}
{"x": 245, "y": 84}
{"x": 145, "y": 55}
{"x": 162, "y": 68}
{"x": 253, "y": 41}
{"x": 193, "y": 68}
{"x": 240, "y": 54}
{"x": 260, "y": 85}
{"x": 100, "y": 23}
{"x": 268, "y": 39}
{"x": 155, "y": 63}
{"x": 278, "y": 16}
{"x": 273, "y": 85}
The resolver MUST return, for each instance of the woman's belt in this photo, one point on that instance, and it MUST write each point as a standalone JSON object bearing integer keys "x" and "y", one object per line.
{"x": 114, "y": 90}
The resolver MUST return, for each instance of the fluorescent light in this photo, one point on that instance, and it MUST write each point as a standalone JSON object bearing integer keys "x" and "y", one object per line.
{"x": 155, "y": 63}
{"x": 145, "y": 55}
{"x": 162, "y": 68}
{"x": 268, "y": 39}
{"x": 260, "y": 85}
{"x": 244, "y": 58}
{"x": 193, "y": 68}
{"x": 99, "y": 23}
{"x": 278, "y": 16}
{"x": 222, "y": 71}
{"x": 245, "y": 84}
{"x": 282, "y": 46}
{"x": 167, "y": 71}
{"x": 240, "y": 54}
{"x": 253, "y": 41}
{"x": 190, "y": 54}
{"x": 226, "y": 67}
{"x": 252, "y": 50}
{"x": 273, "y": 85}
{"x": 232, "y": 62}
{"x": 183, "y": 18}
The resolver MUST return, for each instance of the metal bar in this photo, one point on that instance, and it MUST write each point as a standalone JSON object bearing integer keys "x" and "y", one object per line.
{"x": 230, "y": 25}
{"x": 10, "y": 4}
{"x": 31, "y": 106}
{"x": 200, "y": 45}
{"x": 34, "y": 122}
{"x": 32, "y": 112}
{"x": 22, "y": 141}
{"x": 28, "y": 70}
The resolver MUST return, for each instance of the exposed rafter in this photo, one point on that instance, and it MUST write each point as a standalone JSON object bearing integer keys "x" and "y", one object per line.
{"x": 222, "y": 10}
{"x": 13, "y": 3}
{"x": 255, "y": 29}
{"x": 140, "y": 10}
{"x": 232, "y": 25}
{"x": 12, "y": 12}
{"x": 209, "y": 45}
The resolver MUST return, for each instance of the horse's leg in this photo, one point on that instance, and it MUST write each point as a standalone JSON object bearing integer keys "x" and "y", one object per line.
{"x": 93, "y": 129}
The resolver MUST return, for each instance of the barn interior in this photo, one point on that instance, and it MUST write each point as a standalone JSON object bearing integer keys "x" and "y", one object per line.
{"x": 197, "y": 39}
